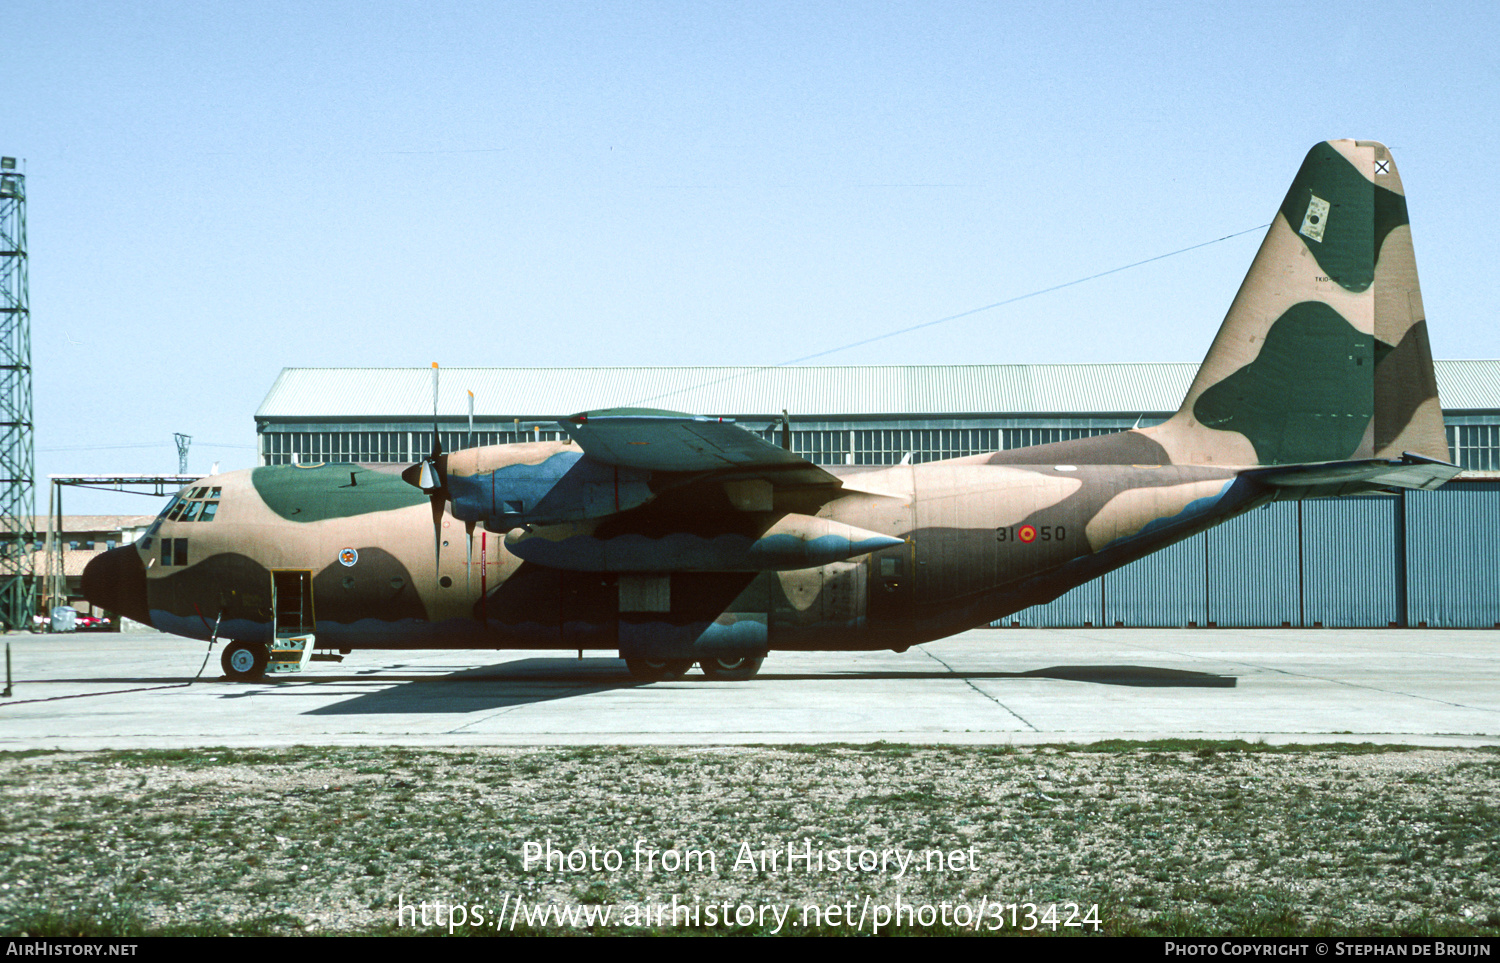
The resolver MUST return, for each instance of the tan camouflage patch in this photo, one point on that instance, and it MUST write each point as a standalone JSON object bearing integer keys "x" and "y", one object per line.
{"x": 1189, "y": 443}
{"x": 1423, "y": 435}
{"x": 1398, "y": 296}
{"x": 1383, "y": 167}
{"x": 1358, "y": 153}
{"x": 973, "y": 496}
{"x": 1130, "y": 511}
{"x": 480, "y": 461}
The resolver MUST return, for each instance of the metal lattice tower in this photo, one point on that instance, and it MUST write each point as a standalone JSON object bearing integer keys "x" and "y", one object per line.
{"x": 17, "y": 459}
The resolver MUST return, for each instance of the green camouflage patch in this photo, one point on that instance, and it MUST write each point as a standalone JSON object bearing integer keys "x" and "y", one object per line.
{"x": 1308, "y": 395}
{"x": 317, "y": 493}
{"x": 1341, "y": 216}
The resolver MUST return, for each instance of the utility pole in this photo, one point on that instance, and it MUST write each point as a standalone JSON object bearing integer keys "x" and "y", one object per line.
{"x": 182, "y": 449}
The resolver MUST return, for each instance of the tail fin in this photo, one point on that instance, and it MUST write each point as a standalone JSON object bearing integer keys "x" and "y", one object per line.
{"x": 1323, "y": 355}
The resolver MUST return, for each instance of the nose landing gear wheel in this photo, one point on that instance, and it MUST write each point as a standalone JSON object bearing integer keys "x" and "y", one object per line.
{"x": 658, "y": 670}
{"x": 731, "y": 670}
{"x": 245, "y": 661}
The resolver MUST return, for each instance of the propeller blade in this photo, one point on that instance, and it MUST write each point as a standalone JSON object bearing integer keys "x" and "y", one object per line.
{"x": 437, "y": 445}
{"x": 468, "y": 558}
{"x": 437, "y": 529}
{"x": 432, "y": 480}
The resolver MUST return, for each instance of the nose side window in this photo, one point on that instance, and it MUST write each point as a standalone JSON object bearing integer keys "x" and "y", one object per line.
{"x": 174, "y": 551}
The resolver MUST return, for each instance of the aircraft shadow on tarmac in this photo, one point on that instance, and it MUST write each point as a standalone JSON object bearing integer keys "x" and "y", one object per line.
{"x": 528, "y": 681}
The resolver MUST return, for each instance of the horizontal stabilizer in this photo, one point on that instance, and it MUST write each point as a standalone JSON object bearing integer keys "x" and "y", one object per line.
{"x": 1354, "y": 477}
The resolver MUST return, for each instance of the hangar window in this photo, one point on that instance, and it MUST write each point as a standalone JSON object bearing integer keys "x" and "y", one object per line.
{"x": 1475, "y": 447}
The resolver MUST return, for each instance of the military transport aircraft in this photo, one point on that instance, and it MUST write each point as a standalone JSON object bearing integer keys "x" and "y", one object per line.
{"x": 679, "y": 539}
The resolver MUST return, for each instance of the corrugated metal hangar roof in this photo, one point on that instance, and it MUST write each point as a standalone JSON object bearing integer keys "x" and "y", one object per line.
{"x": 401, "y": 394}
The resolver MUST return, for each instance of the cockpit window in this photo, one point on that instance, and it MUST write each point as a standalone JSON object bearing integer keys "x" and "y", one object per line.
{"x": 150, "y": 533}
{"x": 169, "y": 506}
{"x": 188, "y": 506}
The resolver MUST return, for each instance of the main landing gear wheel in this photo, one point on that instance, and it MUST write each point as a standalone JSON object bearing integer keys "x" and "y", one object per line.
{"x": 658, "y": 670}
{"x": 731, "y": 670}
{"x": 245, "y": 661}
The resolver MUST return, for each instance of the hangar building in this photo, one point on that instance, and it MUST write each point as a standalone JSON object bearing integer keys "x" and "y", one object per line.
{"x": 1419, "y": 559}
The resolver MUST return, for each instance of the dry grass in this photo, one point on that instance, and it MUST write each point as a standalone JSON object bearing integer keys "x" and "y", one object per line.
{"x": 1173, "y": 838}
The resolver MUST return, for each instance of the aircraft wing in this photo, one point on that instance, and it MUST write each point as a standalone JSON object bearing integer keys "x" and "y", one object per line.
{"x": 698, "y": 495}
{"x": 671, "y": 441}
{"x": 1354, "y": 477}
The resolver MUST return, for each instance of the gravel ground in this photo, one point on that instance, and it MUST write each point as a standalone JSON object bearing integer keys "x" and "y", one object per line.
{"x": 1172, "y": 838}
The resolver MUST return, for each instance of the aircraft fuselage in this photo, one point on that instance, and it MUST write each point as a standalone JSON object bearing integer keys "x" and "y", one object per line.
{"x": 978, "y": 541}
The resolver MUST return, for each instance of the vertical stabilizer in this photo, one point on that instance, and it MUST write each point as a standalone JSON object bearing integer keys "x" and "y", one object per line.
{"x": 1324, "y": 354}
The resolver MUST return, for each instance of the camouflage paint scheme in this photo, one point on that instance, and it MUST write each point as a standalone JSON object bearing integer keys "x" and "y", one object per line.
{"x": 672, "y": 537}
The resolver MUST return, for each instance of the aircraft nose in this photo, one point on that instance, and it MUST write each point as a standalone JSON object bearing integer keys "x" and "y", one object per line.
{"x": 116, "y": 581}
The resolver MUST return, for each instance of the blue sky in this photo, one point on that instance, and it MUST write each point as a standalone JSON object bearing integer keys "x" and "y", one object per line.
{"x": 220, "y": 190}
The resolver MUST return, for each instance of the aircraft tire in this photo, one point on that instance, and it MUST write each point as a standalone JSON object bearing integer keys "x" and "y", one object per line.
{"x": 658, "y": 670}
{"x": 245, "y": 661}
{"x": 731, "y": 670}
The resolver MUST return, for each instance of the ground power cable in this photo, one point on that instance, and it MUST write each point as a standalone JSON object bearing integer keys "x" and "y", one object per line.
{"x": 150, "y": 688}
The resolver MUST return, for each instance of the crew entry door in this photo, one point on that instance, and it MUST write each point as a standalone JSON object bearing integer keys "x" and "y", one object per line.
{"x": 292, "y": 603}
